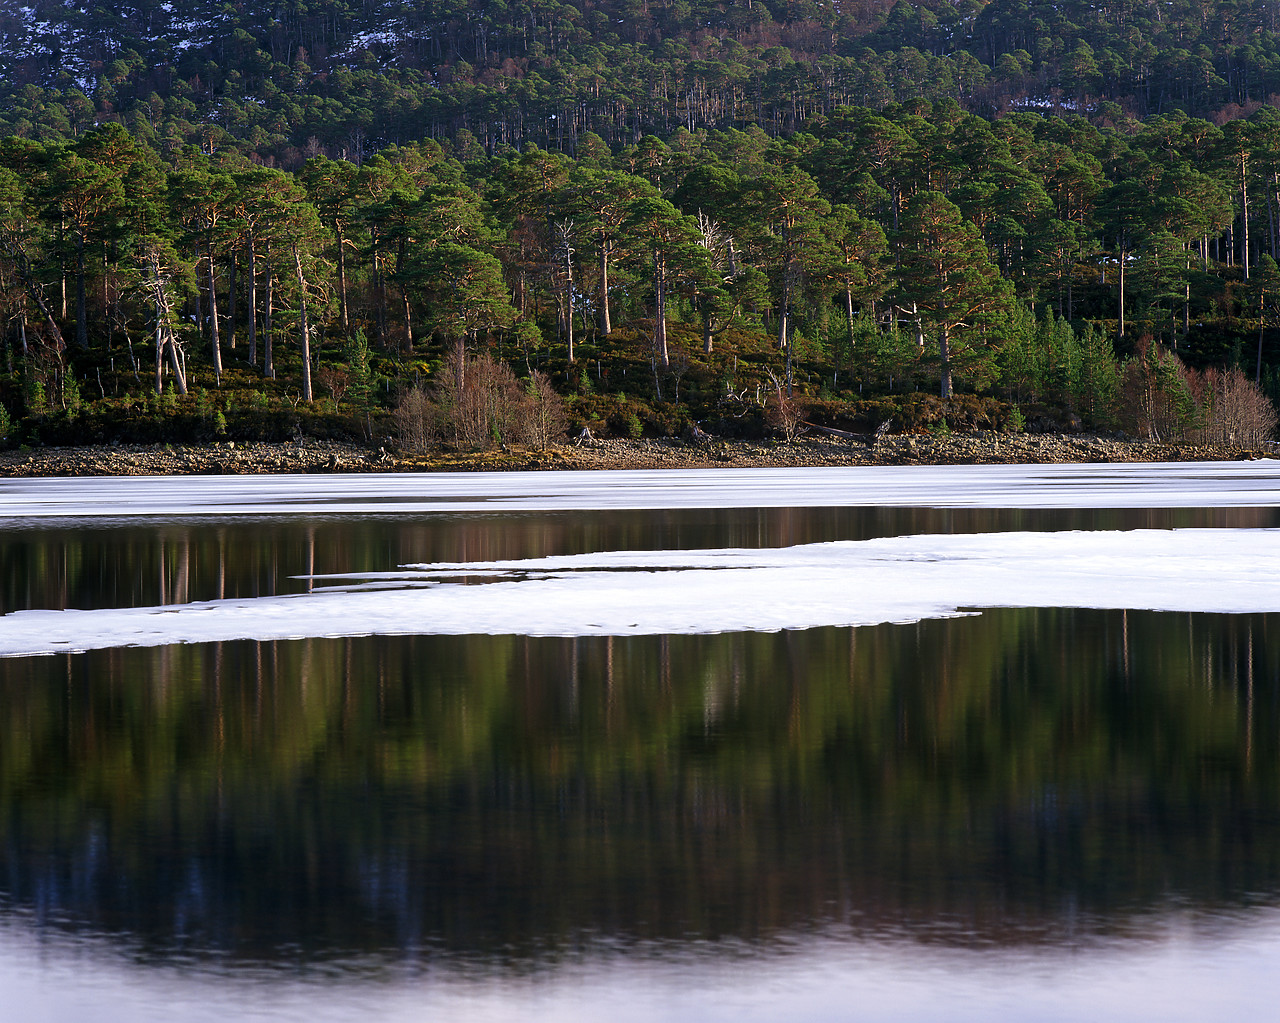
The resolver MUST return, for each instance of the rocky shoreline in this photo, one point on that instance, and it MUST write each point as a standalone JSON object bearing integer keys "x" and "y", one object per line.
{"x": 314, "y": 456}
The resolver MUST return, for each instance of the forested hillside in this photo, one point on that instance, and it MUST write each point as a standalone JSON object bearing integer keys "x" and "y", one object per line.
{"x": 295, "y": 78}
{"x": 226, "y": 219}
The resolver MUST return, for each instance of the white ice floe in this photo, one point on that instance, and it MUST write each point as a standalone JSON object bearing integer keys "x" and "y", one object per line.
{"x": 897, "y": 579}
{"x": 1152, "y": 485}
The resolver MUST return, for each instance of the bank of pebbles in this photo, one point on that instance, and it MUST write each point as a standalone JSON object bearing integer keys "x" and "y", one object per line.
{"x": 310, "y": 456}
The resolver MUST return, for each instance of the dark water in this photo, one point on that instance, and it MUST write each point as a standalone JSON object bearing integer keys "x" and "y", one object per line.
{"x": 157, "y": 562}
{"x": 1042, "y": 787}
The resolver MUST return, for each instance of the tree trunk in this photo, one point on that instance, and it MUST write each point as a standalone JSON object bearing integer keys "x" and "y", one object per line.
{"x": 788, "y": 341}
{"x": 848, "y": 313}
{"x": 408, "y": 320}
{"x": 944, "y": 353}
{"x": 213, "y": 320}
{"x": 62, "y": 266}
{"x": 1271, "y": 225}
{"x": 342, "y": 283}
{"x": 21, "y": 269}
{"x": 177, "y": 362}
{"x": 568, "y": 300}
{"x": 1244, "y": 213}
{"x": 660, "y": 310}
{"x": 302, "y": 323}
{"x": 268, "y": 363}
{"x": 231, "y": 300}
{"x": 110, "y": 310}
{"x": 379, "y": 293}
{"x": 1120, "y": 332}
{"x": 159, "y": 339}
{"x": 1262, "y": 319}
{"x": 82, "y": 320}
{"x": 1186, "y": 298}
{"x": 198, "y": 300}
{"x": 252, "y": 298}
{"x": 784, "y": 308}
{"x": 605, "y": 325}
{"x": 165, "y": 341}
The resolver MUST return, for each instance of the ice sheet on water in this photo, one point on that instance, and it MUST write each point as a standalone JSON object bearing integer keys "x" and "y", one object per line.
{"x": 1152, "y": 485}
{"x": 896, "y": 579}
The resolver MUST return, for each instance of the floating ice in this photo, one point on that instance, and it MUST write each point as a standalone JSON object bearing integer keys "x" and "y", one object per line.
{"x": 897, "y": 579}
{"x": 1148, "y": 485}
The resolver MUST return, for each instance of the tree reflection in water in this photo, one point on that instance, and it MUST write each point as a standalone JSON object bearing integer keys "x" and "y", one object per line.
{"x": 1018, "y": 777}
{"x": 144, "y": 564}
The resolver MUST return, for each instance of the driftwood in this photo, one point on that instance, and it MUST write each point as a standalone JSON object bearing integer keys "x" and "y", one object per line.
{"x": 695, "y": 434}
{"x": 869, "y": 439}
{"x": 831, "y": 431}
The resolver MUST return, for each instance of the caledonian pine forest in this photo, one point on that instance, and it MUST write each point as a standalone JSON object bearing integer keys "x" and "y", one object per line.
{"x": 471, "y": 224}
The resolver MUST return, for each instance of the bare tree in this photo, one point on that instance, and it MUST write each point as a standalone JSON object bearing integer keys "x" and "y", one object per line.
{"x": 157, "y": 278}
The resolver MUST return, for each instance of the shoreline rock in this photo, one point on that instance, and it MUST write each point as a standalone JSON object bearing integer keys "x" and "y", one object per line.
{"x": 318, "y": 456}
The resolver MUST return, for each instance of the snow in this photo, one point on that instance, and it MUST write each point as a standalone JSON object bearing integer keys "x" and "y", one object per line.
{"x": 896, "y": 579}
{"x": 1150, "y": 485}
{"x": 1046, "y": 103}
{"x": 383, "y": 37}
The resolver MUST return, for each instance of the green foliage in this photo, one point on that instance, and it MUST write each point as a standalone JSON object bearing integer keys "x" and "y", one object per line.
{"x": 33, "y": 395}
{"x": 883, "y": 250}
{"x": 1156, "y": 399}
{"x": 1099, "y": 380}
{"x": 71, "y": 400}
{"x": 1020, "y": 356}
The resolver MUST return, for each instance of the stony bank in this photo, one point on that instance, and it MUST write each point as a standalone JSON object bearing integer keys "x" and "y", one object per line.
{"x": 325, "y": 456}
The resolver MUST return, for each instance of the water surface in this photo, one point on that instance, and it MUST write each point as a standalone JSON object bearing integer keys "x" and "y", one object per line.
{"x": 1044, "y": 813}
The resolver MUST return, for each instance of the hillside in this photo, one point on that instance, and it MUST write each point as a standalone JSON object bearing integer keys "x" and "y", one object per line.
{"x": 289, "y": 80}
{"x": 484, "y": 223}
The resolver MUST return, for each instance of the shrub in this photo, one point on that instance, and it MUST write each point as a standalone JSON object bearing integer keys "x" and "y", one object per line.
{"x": 478, "y": 403}
{"x": 546, "y": 418}
{"x": 480, "y": 399}
{"x": 1233, "y": 409}
{"x": 782, "y": 412}
{"x": 414, "y": 417}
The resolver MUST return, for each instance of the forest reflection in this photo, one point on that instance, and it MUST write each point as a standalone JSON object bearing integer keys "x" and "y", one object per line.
{"x": 1019, "y": 777}
{"x": 144, "y": 564}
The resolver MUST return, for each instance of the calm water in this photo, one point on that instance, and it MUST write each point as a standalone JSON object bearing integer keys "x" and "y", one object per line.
{"x": 1044, "y": 813}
